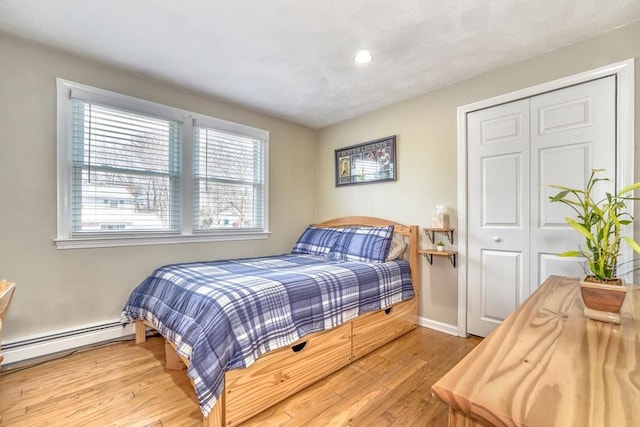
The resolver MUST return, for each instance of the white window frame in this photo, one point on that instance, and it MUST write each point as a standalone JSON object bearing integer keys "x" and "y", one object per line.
{"x": 65, "y": 238}
{"x": 232, "y": 128}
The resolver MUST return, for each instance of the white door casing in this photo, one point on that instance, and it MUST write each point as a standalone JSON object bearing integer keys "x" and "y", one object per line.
{"x": 546, "y": 262}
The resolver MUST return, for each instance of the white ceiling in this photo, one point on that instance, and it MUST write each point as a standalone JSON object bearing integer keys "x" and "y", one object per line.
{"x": 293, "y": 58}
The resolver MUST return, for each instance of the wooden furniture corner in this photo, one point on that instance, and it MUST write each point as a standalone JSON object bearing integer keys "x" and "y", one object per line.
{"x": 6, "y": 292}
{"x": 547, "y": 365}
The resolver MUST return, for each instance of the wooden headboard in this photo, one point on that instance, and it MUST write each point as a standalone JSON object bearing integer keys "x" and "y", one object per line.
{"x": 410, "y": 232}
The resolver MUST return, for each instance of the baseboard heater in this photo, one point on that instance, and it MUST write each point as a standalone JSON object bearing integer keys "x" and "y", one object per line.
{"x": 49, "y": 344}
{"x": 38, "y": 346}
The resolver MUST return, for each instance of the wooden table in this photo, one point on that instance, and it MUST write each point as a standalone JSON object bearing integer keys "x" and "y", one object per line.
{"x": 547, "y": 365}
{"x": 6, "y": 292}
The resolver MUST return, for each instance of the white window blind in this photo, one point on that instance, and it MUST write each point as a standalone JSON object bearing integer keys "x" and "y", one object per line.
{"x": 134, "y": 172}
{"x": 229, "y": 177}
{"x": 125, "y": 171}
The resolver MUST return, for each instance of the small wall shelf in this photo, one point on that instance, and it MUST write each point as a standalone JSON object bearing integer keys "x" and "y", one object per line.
{"x": 431, "y": 233}
{"x": 429, "y": 253}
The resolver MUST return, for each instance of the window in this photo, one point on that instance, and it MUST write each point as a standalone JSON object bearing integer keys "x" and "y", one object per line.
{"x": 128, "y": 160}
{"x": 134, "y": 172}
{"x": 228, "y": 184}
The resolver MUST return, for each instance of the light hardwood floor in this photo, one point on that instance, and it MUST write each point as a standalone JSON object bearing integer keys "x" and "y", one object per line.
{"x": 124, "y": 384}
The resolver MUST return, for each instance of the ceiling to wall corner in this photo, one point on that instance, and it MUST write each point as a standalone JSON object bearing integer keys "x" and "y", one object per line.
{"x": 293, "y": 59}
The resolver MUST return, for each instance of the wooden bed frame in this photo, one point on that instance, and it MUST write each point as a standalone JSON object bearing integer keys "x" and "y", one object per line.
{"x": 285, "y": 371}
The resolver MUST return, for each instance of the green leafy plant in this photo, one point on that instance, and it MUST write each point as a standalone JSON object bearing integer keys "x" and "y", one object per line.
{"x": 600, "y": 223}
{"x": 440, "y": 243}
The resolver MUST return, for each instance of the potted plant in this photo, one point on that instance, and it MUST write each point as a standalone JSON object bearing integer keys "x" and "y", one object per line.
{"x": 440, "y": 246}
{"x": 600, "y": 222}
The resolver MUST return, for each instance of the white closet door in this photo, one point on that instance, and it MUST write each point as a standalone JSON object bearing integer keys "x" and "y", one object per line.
{"x": 514, "y": 232}
{"x": 498, "y": 216}
{"x": 573, "y": 130}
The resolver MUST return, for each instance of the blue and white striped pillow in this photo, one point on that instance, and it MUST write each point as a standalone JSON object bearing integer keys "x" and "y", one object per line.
{"x": 316, "y": 241}
{"x": 366, "y": 244}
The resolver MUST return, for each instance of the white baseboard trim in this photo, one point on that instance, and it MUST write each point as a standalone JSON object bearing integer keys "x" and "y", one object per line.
{"x": 41, "y": 345}
{"x": 63, "y": 340}
{"x": 438, "y": 326}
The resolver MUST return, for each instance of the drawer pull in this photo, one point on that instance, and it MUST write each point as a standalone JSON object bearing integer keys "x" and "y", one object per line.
{"x": 298, "y": 347}
{"x": 388, "y": 310}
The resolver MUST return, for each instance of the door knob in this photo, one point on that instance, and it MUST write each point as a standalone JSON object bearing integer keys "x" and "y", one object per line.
{"x": 497, "y": 239}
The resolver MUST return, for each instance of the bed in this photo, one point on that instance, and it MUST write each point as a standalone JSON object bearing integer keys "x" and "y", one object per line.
{"x": 253, "y": 331}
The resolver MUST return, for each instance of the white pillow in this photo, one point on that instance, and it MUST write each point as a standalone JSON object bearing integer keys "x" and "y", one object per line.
{"x": 397, "y": 248}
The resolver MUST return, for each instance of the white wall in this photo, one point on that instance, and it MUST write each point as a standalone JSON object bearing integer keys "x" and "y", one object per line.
{"x": 59, "y": 289}
{"x": 426, "y": 130}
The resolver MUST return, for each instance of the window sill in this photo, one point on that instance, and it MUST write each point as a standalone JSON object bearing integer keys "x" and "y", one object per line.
{"x": 116, "y": 241}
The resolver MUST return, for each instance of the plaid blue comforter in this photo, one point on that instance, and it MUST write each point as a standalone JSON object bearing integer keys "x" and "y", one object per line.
{"x": 223, "y": 315}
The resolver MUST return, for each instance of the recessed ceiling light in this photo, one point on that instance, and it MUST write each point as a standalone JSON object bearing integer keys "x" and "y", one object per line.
{"x": 363, "y": 57}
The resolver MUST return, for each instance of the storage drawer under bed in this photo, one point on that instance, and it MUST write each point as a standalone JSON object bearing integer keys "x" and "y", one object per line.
{"x": 281, "y": 373}
{"x": 373, "y": 330}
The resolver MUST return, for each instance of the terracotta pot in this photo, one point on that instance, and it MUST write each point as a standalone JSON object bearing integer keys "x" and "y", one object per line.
{"x": 603, "y": 301}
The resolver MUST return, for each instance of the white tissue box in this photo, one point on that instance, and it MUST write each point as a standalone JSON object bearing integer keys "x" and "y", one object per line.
{"x": 440, "y": 221}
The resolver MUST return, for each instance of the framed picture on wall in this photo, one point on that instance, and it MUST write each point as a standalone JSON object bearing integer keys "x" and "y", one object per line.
{"x": 366, "y": 163}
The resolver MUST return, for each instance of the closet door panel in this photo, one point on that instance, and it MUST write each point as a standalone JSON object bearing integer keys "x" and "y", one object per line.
{"x": 498, "y": 203}
{"x": 572, "y": 132}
